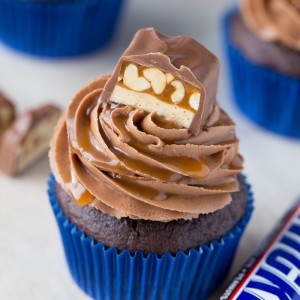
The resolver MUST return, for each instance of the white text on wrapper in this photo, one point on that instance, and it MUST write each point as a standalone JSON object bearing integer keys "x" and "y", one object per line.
{"x": 277, "y": 275}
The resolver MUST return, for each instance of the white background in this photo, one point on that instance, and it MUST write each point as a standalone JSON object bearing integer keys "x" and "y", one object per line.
{"x": 32, "y": 265}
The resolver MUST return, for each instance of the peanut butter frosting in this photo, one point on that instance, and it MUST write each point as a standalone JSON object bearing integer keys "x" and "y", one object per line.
{"x": 129, "y": 162}
{"x": 274, "y": 20}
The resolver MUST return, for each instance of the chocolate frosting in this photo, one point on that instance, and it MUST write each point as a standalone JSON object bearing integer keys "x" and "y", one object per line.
{"x": 128, "y": 163}
{"x": 274, "y": 20}
{"x": 180, "y": 55}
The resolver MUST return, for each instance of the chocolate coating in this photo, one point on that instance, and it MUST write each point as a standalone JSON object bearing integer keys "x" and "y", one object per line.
{"x": 154, "y": 236}
{"x": 7, "y": 113}
{"x": 180, "y": 55}
{"x": 269, "y": 54}
{"x": 13, "y": 146}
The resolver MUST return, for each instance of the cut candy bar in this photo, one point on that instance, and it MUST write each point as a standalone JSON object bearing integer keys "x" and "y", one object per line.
{"x": 7, "y": 113}
{"x": 27, "y": 139}
{"x": 176, "y": 100}
{"x": 174, "y": 76}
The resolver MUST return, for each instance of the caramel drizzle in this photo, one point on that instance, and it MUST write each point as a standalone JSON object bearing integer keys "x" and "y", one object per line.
{"x": 78, "y": 192}
{"x": 120, "y": 170}
{"x": 193, "y": 167}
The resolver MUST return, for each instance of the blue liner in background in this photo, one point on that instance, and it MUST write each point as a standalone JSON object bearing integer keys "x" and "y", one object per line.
{"x": 267, "y": 97}
{"x": 105, "y": 273}
{"x": 58, "y": 28}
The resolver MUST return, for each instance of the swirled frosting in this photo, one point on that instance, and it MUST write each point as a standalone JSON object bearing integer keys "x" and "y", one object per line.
{"x": 274, "y": 20}
{"x": 126, "y": 162}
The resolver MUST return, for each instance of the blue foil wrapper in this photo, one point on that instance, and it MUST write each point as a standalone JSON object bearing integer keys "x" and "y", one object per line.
{"x": 269, "y": 98}
{"x": 58, "y": 28}
{"x": 106, "y": 273}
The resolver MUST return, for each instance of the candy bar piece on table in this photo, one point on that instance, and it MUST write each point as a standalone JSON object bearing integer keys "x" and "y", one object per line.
{"x": 7, "y": 113}
{"x": 152, "y": 76}
{"x": 27, "y": 139}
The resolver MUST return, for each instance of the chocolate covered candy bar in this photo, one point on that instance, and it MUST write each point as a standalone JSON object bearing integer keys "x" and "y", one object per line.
{"x": 174, "y": 76}
{"x": 27, "y": 139}
{"x": 7, "y": 113}
{"x": 273, "y": 272}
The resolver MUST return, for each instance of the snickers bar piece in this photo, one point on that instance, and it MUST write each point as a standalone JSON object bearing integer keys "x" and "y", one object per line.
{"x": 27, "y": 139}
{"x": 7, "y": 113}
{"x": 174, "y": 76}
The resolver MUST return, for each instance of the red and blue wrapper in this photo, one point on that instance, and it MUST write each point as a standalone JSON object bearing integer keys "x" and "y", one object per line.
{"x": 273, "y": 272}
{"x": 270, "y": 99}
{"x": 105, "y": 273}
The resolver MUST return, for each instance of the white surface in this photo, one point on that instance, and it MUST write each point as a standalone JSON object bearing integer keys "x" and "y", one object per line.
{"x": 32, "y": 265}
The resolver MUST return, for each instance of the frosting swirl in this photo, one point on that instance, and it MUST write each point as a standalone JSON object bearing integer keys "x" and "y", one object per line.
{"x": 126, "y": 162}
{"x": 274, "y": 20}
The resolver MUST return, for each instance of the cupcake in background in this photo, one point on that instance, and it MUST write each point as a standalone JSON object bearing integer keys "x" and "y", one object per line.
{"x": 59, "y": 27}
{"x": 262, "y": 40}
{"x": 147, "y": 187}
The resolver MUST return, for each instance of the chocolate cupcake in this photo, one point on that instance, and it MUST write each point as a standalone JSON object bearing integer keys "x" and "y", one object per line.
{"x": 263, "y": 44}
{"x": 147, "y": 187}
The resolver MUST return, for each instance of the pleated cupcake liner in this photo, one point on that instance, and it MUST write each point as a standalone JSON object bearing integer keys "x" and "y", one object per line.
{"x": 105, "y": 273}
{"x": 58, "y": 28}
{"x": 270, "y": 99}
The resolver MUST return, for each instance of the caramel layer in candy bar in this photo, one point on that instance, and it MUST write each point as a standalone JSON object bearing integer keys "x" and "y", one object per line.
{"x": 7, "y": 113}
{"x": 27, "y": 139}
{"x": 174, "y": 76}
{"x": 151, "y": 89}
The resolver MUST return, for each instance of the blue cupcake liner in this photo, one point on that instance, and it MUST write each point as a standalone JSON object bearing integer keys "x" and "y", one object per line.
{"x": 267, "y": 97}
{"x": 58, "y": 28}
{"x": 106, "y": 273}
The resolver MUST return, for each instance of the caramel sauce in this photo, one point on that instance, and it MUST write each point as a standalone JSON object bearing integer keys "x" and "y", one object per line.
{"x": 138, "y": 165}
{"x": 194, "y": 167}
{"x": 84, "y": 199}
{"x": 78, "y": 192}
{"x": 162, "y": 122}
{"x": 165, "y": 96}
{"x": 88, "y": 144}
{"x": 134, "y": 187}
{"x": 92, "y": 150}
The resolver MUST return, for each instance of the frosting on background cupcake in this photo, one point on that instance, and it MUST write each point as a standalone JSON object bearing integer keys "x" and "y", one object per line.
{"x": 273, "y": 20}
{"x": 262, "y": 41}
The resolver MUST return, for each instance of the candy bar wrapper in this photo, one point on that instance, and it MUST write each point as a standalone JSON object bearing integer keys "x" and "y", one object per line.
{"x": 106, "y": 273}
{"x": 267, "y": 97}
{"x": 273, "y": 271}
{"x": 58, "y": 28}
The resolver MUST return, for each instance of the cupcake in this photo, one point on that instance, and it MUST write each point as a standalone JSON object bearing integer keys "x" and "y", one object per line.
{"x": 58, "y": 27}
{"x": 262, "y": 40}
{"x": 147, "y": 187}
